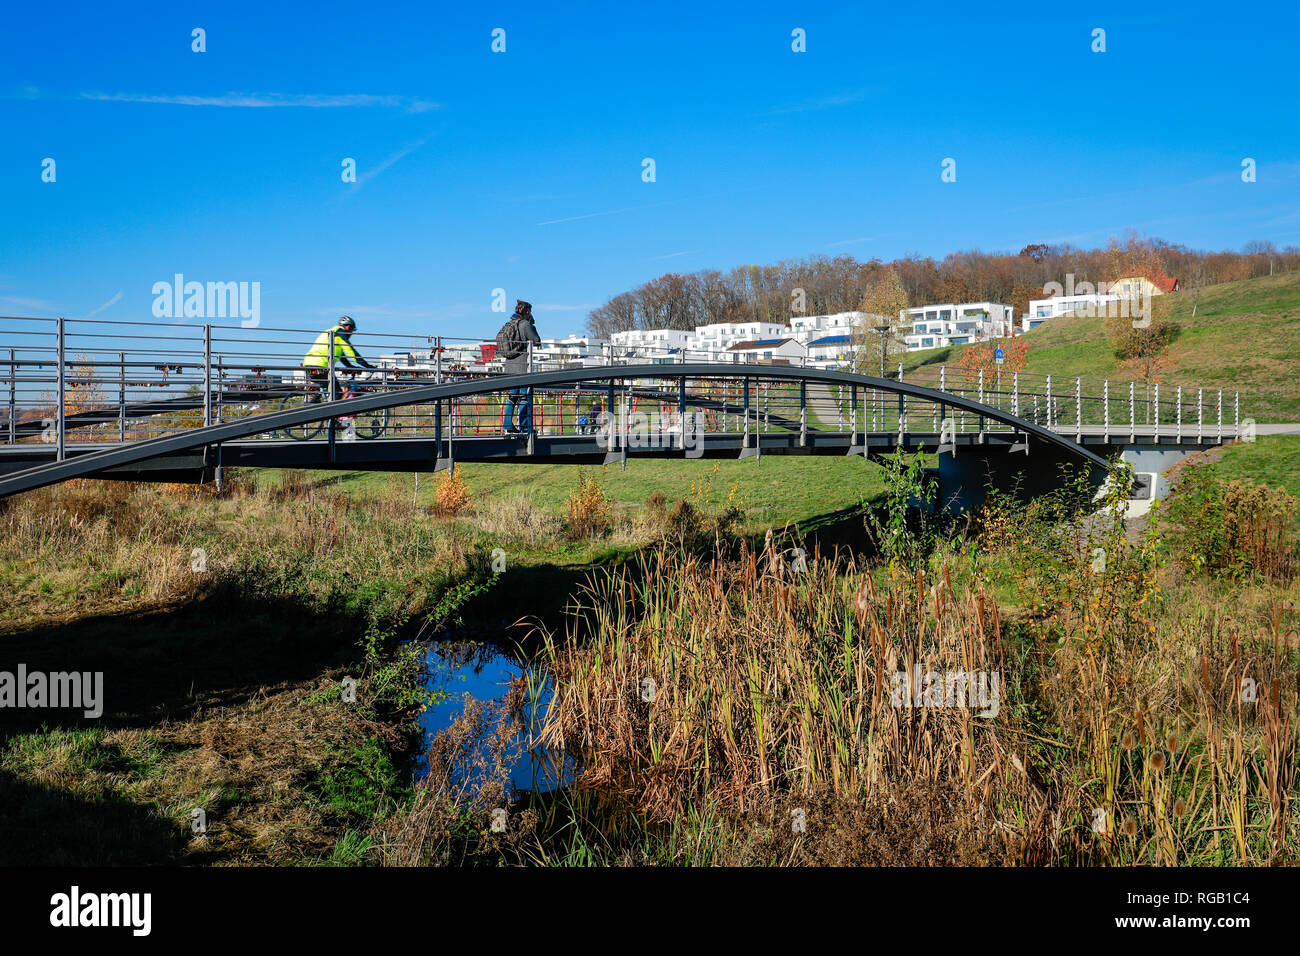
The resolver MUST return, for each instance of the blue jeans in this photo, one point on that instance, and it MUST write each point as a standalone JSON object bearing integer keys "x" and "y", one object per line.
{"x": 517, "y": 398}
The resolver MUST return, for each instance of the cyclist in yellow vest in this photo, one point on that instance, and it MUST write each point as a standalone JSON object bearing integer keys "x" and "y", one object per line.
{"x": 317, "y": 359}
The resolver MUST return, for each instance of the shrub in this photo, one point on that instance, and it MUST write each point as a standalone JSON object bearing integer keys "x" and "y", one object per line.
{"x": 452, "y": 496}
{"x": 1233, "y": 528}
{"x": 590, "y": 513}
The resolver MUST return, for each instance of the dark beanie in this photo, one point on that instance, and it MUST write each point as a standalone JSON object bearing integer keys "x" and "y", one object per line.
{"x": 523, "y": 308}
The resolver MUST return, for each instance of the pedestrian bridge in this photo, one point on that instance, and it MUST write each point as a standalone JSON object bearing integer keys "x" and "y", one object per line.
{"x": 160, "y": 403}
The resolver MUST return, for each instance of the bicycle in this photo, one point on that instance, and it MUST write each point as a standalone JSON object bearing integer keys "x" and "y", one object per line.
{"x": 372, "y": 424}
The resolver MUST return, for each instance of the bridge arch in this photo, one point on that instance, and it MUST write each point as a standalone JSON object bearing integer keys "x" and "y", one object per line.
{"x": 91, "y": 463}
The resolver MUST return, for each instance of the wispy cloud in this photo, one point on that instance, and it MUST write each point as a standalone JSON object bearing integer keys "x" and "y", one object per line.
{"x": 270, "y": 100}
{"x": 822, "y": 103}
{"x": 395, "y": 157}
{"x": 593, "y": 215}
{"x": 674, "y": 255}
{"x": 28, "y": 303}
{"x": 113, "y": 301}
{"x": 853, "y": 242}
{"x": 565, "y": 308}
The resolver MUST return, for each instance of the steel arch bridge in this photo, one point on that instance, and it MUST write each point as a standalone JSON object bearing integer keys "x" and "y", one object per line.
{"x": 682, "y": 398}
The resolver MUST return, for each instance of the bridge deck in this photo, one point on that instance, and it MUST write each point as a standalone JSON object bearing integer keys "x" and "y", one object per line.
{"x": 148, "y": 401}
{"x": 427, "y": 454}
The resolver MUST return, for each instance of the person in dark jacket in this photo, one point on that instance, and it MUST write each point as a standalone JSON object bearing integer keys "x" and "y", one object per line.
{"x": 512, "y": 347}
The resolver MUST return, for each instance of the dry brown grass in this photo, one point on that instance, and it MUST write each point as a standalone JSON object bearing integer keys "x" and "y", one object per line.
{"x": 771, "y": 693}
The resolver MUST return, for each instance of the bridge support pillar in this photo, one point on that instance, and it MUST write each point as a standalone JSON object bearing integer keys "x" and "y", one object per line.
{"x": 1150, "y": 465}
{"x": 966, "y": 478}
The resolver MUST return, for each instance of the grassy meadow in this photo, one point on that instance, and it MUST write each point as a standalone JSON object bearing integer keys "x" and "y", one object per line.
{"x": 721, "y": 644}
{"x": 1245, "y": 336}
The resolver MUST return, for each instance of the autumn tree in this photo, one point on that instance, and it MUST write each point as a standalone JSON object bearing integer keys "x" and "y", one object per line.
{"x": 881, "y": 308}
{"x": 982, "y": 357}
{"x": 1144, "y": 348}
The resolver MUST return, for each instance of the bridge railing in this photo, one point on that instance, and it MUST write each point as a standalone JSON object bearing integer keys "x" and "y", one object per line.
{"x": 94, "y": 382}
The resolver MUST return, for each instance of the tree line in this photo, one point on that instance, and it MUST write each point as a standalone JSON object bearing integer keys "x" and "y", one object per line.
{"x": 820, "y": 285}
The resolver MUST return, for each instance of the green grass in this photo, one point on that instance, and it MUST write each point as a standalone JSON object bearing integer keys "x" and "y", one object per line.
{"x": 1272, "y": 460}
{"x": 773, "y": 491}
{"x": 1245, "y": 337}
{"x": 1269, "y": 460}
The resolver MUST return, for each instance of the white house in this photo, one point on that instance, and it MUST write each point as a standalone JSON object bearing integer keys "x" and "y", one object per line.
{"x": 709, "y": 343}
{"x": 778, "y": 351}
{"x": 956, "y": 323}
{"x": 1083, "y": 304}
{"x": 649, "y": 344}
{"x": 831, "y": 351}
{"x": 804, "y": 328}
{"x": 574, "y": 350}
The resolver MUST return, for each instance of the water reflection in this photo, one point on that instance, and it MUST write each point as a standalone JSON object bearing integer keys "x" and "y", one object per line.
{"x": 485, "y": 671}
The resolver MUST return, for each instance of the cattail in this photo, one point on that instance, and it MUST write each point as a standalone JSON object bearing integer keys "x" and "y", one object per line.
{"x": 862, "y": 602}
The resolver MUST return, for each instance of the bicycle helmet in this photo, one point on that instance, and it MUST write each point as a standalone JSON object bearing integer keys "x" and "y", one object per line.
{"x": 347, "y": 324}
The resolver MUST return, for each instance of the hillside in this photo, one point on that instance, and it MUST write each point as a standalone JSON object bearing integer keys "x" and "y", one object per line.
{"x": 1245, "y": 336}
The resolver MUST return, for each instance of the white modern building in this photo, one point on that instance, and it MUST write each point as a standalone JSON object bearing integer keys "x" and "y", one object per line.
{"x": 831, "y": 351}
{"x": 956, "y": 323}
{"x": 709, "y": 343}
{"x": 573, "y": 351}
{"x": 805, "y": 328}
{"x": 650, "y": 344}
{"x": 1089, "y": 304}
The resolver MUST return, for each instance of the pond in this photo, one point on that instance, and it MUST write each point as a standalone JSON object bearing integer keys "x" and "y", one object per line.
{"x": 485, "y": 671}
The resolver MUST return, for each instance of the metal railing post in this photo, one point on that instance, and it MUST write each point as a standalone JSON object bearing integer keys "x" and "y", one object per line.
{"x": 121, "y": 396}
{"x": 13, "y": 398}
{"x": 681, "y": 411}
{"x": 611, "y": 412}
{"x": 803, "y": 413}
{"x": 437, "y": 430}
{"x": 1178, "y": 430}
{"x": 745, "y": 413}
{"x": 1048, "y": 400}
{"x": 1015, "y": 394}
{"x": 1105, "y": 411}
{"x": 62, "y": 381}
{"x": 1078, "y": 409}
{"x": 1132, "y": 413}
{"x": 1220, "y": 416}
{"x": 437, "y": 361}
{"x": 1200, "y": 415}
{"x": 902, "y": 407}
{"x": 1156, "y": 415}
{"x": 1236, "y": 413}
{"x": 207, "y": 375}
{"x": 853, "y": 405}
{"x": 332, "y": 393}
{"x": 981, "y": 397}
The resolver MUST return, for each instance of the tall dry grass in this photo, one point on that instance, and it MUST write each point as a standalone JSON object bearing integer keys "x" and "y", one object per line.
{"x": 100, "y": 545}
{"x": 694, "y": 684}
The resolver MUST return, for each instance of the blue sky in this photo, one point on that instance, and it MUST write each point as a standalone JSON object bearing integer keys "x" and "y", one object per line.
{"x": 523, "y": 170}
